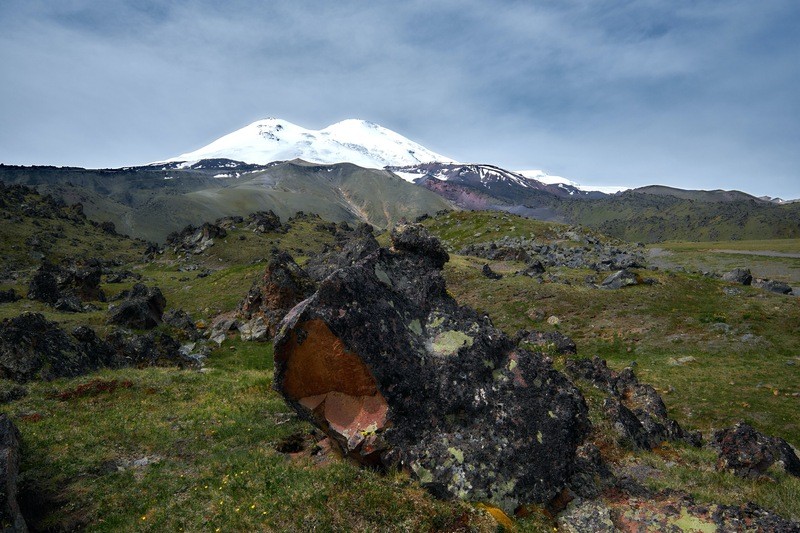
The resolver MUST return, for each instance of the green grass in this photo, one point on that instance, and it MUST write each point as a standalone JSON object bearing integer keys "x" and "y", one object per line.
{"x": 652, "y": 325}
{"x": 212, "y": 437}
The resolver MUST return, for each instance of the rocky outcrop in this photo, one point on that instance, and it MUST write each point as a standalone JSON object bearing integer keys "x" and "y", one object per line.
{"x": 195, "y": 240}
{"x": 575, "y": 251}
{"x": 635, "y": 409}
{"x": 397, "y": 374}
{"x": 282, "y": 286}
{"x": 143, "y": 308}
{"x": 79, "y": 282}
{"x": 151, "y": 349}
{"x": 778, "y": 287}
{"x": 32, "y": 348}
{"x": 741, "y": 276}
{"x": 618, "y": 280}
{"x": 9, "y": 296}
{"x": 11, "y": 519}
{"x": 749, "y": 453}
{"x": 352, "y": 246}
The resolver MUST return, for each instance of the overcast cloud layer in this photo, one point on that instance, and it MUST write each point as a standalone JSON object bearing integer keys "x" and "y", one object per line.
{"x": 693, "y": 94}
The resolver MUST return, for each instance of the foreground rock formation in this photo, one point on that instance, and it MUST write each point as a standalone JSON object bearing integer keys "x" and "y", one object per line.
{"x": 11, "y": 519}
{"x": 397, "y": 374}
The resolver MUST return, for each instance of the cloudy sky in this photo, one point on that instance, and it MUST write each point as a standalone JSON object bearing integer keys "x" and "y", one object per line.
{"x": 694, "y": 94}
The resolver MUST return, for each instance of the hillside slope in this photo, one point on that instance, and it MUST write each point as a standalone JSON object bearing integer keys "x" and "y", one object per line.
{"x": 150, "y": 202}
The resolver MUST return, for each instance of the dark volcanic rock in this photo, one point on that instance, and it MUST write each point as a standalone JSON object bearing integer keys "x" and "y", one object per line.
{"x": 9, "y": 296}
{"x": 554, "y": 340}
{"x": 151, "y": 349}
{"x": 623, "y": 278}
{"x": 353, "y": 245}
{"x": 489, "y": 273}
{"x": 264, "y": 222}
{"x": 742, "y": 276}
{"x": 181, "y": 322}
{"x": 749, "y": 453}
{"x": 533, "y": 269}
{"x": 32, "y": 347}
{"x": 282, "y": 286}
{"x": 81, "y": 281}
{"x": 772, "y": 286}
{"x": 70, "y": 304}
{"x": 11, "y": 519}
{"x": 651, "y": 424}
{"x": 397, "y": 374}
{"x": 143, "y": 308}
{"x": 43, "y": 287}
{"x": 195, "y": 240}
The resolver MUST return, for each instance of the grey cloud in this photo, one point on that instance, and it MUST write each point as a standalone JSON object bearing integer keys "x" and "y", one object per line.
{"x": 599, "y": 91}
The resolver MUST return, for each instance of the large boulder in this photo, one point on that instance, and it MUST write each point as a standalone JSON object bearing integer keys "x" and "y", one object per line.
{"x": 11, "y": 519}
{"x": 43, "y": 286}
{"x": 397, "y": 374}
{"x": 620, "y": 279}
{"x": 282, "y": 286}
{"x": 195, "y": 240}
{"x": 143, "y": 308}
{"x": 749, "y": 453}
{"x": 742, "y": 276}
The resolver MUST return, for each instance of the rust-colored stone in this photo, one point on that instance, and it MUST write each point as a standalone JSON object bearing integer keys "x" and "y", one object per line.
{"x": 333, "y": 384}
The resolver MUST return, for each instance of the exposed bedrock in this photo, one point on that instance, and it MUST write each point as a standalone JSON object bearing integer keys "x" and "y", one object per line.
{"x": 398, "y": 375}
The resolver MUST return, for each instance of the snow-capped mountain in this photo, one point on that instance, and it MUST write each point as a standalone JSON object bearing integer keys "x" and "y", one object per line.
{"x": 355, "y": 141}
{"x": 494, "y": 180}
{"x": 567, "y": 184}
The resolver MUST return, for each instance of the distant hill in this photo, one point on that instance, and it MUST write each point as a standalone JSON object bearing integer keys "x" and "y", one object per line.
{"x": 152, "y": 201}
{"x": 648, "y": 217}
{"x": 700, "y": 196}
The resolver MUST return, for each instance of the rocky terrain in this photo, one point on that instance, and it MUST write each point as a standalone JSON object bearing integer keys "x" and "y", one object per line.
{"x": 467, "y": 372}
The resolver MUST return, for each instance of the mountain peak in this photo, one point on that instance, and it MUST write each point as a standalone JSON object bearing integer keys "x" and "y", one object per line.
{"x": 355, "y": 141}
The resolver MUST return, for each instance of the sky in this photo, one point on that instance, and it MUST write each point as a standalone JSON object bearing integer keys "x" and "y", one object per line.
{"x": 697, "y": 94}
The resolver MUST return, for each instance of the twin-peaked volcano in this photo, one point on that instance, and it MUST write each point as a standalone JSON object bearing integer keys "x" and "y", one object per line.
{"x": 353, "y": 141}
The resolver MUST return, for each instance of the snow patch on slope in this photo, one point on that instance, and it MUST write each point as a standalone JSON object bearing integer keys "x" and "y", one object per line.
{"x": 547, "y": 179}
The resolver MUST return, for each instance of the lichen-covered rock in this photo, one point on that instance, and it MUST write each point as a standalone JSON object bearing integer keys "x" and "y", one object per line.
{"x": 397, "y": 374}
{"x": 142, "y": 309}
{"x": 635, "y": 409}
{"x": 11, "y": 519}
{"x": 282, "y": 286}
{"x": 549, "y": 340}
{"x": 749, "y": 453}
{"x": 582, "y": 516}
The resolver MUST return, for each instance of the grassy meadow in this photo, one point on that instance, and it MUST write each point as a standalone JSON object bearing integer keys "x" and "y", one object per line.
{"x": 185, "y": 450}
